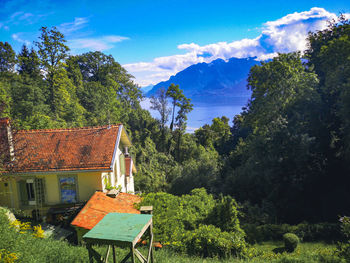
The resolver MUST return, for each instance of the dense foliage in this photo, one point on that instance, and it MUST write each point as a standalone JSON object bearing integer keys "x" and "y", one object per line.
{"x": 285, "y": 158}
{"x": 19, "y": 243}
{"x": 290, "y": 148}
{"x": 197, "y": 223}
{"x": 325, "y": 232}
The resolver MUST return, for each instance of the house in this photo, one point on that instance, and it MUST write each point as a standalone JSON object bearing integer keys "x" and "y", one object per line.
{"x": 99, "y": 205}
{"x": 61, "y": 167}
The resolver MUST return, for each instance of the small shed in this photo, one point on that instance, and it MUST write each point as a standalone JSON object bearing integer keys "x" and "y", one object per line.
{"x": 123, "y": 230}
{"x": 99, "y": 205}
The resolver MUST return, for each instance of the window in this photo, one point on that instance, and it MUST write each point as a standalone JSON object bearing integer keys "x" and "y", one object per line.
{"x": 68, "y": 189}
{"x": 30, "y": 190}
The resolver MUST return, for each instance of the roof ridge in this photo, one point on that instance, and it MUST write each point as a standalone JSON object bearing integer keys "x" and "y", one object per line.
{"x": 70, "y": 129}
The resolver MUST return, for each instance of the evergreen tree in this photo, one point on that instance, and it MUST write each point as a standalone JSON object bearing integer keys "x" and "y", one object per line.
{"x": 7, "y": 58}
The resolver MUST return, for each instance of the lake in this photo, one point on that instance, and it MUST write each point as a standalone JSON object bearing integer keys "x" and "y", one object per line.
{"x": 203, "y": 113}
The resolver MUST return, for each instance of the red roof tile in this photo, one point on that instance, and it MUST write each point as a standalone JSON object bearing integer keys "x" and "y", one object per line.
{"x": 100, "y": 205}
{"x": 88, "y": 148}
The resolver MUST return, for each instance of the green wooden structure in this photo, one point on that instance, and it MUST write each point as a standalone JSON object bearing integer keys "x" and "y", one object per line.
{"x": 123, "y": 230}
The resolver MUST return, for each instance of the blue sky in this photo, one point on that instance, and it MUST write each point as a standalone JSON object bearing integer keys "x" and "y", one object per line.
{"x": 155, "y": 39}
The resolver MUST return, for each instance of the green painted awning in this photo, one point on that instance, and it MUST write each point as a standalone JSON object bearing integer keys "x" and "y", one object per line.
{"x": 119, "y": 227}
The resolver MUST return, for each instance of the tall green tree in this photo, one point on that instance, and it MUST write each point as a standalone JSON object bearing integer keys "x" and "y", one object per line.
{"x": 176, "y": 95}
{"x": 329, "y": 55}
{"x": 185, "y": 107}
{"x": 160, "y": 104}
{"x": 65, "y": 104}
{"x": 53, "y": 51}
{"x": 29, "y": 63}
{"x": 7, "y": 57}
{"x": 279, "y": 158}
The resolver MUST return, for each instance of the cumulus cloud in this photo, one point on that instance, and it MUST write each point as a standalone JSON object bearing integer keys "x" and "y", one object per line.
{"x": 96, "y": 44}
{"x": 286, "y": 34}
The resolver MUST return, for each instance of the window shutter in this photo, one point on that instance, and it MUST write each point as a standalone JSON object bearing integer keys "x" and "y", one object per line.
{"x": 23, "y": 192}
{"x": 122, "y": 163}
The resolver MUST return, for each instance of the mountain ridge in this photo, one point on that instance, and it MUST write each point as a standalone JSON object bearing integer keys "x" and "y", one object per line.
{"x": 219, "y": 81}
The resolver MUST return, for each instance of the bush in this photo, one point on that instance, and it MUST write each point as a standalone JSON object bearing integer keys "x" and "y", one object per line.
{"x": 290, "y": 241}
{"x": 185, "y": 223}
{"x": 328, "y": 232}
{"x": 19, "y": 243}
{"x": 210, "y": 241}
{"x": 343, "y": 249}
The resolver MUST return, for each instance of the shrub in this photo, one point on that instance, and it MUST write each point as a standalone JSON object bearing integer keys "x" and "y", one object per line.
{"x": 290, "y": 241}
{"x": 197, "y": 223}
{"x": 174, "y": 215}
{"x": 18, "y": 243}
{"x": 307, "y": 232}
{"x": 210, "y": 241}
{"x": 343, "y": 248}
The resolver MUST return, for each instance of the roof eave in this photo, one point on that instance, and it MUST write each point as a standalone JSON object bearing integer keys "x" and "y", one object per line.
{"x": 116, "y": 145}
{"x": 29, "y": 173}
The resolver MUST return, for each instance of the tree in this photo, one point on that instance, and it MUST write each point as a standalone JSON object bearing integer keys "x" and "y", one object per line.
{"x": 7, "y": 58}
{"x": 280, "y": 157}
{"x": 65, "y": 104}
{"x": 5, "y": 100}
{"x": 29, "y": 63}
{"x": 176, "y": 94}
{"x": 52, "y": 52}
{"x": 160, "y": 104}
{"x": 216, "y": 135}
{"x": 328, "y": 54}
{"x": 181, "y": 121}
{"x": 52, "y": 48}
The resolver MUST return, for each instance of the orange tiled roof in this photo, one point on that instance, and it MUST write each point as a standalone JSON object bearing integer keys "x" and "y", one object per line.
{"x": 89, "y": 148}
{"x": 100, "y": 205}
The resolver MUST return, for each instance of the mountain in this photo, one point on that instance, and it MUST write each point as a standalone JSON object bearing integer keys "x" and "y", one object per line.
{"x": 147, "y": 88}
{"x": 219, "y": 82}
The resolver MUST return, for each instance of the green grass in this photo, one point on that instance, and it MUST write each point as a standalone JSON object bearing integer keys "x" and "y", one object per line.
{"x": 305, "y": 253}
{"x": 31, "y": 249}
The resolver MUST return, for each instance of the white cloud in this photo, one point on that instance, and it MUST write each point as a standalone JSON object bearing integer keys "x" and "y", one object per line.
{"x": 78, "y": 41}
{"x": 70, "y": 27}
{"x": 18, "y": 37}
{"x": 21, "y": 17}
{"x": 286, "y": 34}
{"x": 96, "y": 44}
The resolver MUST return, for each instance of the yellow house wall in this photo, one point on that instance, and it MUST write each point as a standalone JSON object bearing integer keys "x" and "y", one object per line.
{"x": 88, "y": 183}
{"x": 5, "y": 198}
{"x": 52, "y": 195}
{"x": 9, "y": 195}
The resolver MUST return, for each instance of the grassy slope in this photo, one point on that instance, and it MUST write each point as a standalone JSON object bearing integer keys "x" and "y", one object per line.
{"x": 31, "y": 249}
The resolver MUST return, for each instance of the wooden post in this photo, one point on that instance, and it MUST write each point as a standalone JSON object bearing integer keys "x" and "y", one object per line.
{"x": 132, "y": 253}
{"x": 91, "y": 260}
{"x": 151, "y": 241}
{"x": 113, "y": 249}
{"x": 107, "y": 254}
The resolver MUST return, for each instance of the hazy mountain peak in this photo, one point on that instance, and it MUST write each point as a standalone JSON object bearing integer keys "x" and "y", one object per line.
{"x": 216, "y": 82}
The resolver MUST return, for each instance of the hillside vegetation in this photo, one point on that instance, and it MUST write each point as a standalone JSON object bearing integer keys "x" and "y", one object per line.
{"x": 285, "y": 158}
